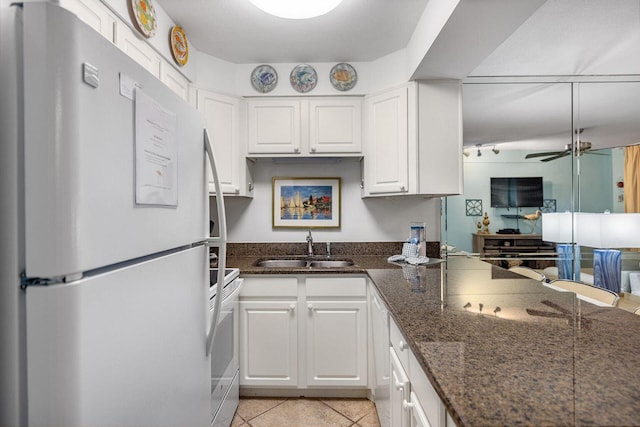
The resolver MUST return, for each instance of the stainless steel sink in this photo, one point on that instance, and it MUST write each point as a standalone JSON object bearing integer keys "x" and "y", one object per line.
{"x": 279, "y": 263}
{"x": 302, "y": 263}
{"x": 326, "y": 263}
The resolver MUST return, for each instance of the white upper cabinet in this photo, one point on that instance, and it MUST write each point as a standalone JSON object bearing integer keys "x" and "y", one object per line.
{"x": 335, "y": 126}
{"x": 93, "y": 13}
{"x": 274, "y": 126}
{"x": 386, "y": 162}
{"x": 174, "y": 80}
{"x": 223, "y": 117}
{"x": 304, "y": 126}
{"x": 101, "y": 19}
{"x": 414, "y": 140}
{"x": 137, "y": 48}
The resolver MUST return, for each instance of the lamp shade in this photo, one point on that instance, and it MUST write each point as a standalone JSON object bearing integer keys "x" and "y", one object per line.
{"x": 557, "y": 227}
{"x": 613, "y": 230}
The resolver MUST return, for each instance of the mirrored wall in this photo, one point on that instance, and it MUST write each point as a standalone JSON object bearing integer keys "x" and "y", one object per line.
{"x": 572, "y": 135}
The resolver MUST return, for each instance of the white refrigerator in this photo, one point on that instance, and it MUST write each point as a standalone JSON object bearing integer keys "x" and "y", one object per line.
{"x": 109, "y": 233}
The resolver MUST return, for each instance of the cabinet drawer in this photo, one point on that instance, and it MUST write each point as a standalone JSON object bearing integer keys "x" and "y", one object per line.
{"x": 399, "y": 344}
{"x": 271, "y": 287}
{"x": 336, "y": 287}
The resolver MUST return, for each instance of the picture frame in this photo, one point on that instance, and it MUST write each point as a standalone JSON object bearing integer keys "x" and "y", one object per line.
{"x": 306, "y": 202}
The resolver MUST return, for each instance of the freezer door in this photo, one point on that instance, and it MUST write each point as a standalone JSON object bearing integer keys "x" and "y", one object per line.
{"x": 125, "y": 348}
{"x": 80, "y": 152}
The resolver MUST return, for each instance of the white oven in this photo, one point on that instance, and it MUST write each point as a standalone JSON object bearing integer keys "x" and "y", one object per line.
{"x": 224, "y": 353}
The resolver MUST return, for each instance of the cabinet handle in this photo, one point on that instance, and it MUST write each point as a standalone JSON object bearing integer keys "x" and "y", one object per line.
{"x": 236, "y": 190}
{"x": 292, "y": 308}
{"x": 402, "y": 188}
{"x": 402, "y": 345}
{"x": 398, "y": 385}
{"x": 313, "y": 149}
{"x": 407, "y": 405}
{"x": 250, "y": 186}
{"x": 310, "y": 306}
{"x": 296, "y": 150}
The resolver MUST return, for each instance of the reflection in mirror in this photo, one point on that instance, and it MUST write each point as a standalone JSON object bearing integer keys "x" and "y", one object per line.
{"x": 531, "y": 129}
{"x": 609, "y": 113}
{"x": 503, "y": 123}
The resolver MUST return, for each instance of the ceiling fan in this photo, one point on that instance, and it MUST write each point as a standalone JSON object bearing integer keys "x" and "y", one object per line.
{"x": 582, "y": 148}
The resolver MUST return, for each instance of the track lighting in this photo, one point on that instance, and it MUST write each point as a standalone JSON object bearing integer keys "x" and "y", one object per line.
{"x": 479, "y": 153}
{"x": 466, "y": 153}
{"x": 495, "y": 150}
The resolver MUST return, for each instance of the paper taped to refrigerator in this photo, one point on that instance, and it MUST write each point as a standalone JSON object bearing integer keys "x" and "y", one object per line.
{"x": 156, "y": 153}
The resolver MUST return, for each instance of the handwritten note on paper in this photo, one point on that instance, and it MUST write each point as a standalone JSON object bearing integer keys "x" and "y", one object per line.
{"x": 156, "y": 153}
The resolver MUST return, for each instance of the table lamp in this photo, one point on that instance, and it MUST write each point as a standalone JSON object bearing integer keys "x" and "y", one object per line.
{"x": 559, "y": 227}
{"x": 605, "y": 232}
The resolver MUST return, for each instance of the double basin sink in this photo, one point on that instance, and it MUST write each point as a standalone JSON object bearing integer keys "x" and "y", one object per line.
{"x": 304, "y": 263}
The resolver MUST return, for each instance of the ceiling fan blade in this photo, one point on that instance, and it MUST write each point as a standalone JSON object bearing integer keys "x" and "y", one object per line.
{"x": 591, "y": 152}
{"x": 549, "y": 153}
{"x": 566, "y": 153}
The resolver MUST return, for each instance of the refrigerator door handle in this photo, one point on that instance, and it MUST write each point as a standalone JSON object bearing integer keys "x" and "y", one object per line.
{"x": 220, "y": 242}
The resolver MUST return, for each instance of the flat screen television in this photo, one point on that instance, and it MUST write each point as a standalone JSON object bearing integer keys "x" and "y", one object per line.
{"x": 516, "y": 192}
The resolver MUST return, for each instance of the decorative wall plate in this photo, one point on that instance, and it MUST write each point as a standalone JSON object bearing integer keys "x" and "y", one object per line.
{"x": 264, "y": 78}
{"x": 179, "y": 45}
{"x": 144, "y": 17}
{"x": 343, "y": 76}
{"x": 303, "y": 78}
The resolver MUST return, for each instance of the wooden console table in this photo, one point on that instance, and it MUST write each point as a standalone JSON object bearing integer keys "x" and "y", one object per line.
{"x": 513, "y": 245}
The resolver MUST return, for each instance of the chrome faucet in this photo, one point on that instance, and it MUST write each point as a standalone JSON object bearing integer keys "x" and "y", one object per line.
{"x": 309, "y": 244}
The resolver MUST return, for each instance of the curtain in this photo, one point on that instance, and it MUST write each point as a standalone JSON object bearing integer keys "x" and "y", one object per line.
{"x": 632, "y": 178}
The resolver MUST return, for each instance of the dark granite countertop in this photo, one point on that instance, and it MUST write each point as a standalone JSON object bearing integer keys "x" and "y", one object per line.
{"x": 544, "y": 358}
{"x": 529, "y": 356}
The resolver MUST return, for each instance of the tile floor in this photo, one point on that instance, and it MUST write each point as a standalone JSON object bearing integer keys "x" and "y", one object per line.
{"x": 305, "y": 412}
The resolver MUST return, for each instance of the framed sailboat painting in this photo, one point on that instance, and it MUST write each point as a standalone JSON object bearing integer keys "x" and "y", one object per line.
{"x": 306, "y": 202}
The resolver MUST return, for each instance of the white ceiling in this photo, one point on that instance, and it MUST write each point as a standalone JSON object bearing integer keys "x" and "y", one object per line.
{"x": 560, "y": 39}
{"x": 238, "y": 32}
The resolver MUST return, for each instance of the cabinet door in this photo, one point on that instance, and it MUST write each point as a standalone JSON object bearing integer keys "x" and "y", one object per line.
{"x": 381, "y": 364}
{"x": 222, "y": 114}
{"x": 268, "y": 343}
{"x": 387, "y": 148}
{"x": 335, "y": 126}
{"x": 137, "y": 49}
{"x": 337, "y": 343}
{"x": 418, "y": 417}
{"x": 174, "y": 80}
{"x": 93, "y": 13}
{"x": 274, "y": 126}
{"x": 399, "y": 393}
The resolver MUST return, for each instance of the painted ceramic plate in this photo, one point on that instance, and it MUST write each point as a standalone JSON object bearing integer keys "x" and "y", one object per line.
{"x": 145, "y": 17}
{"x": 343, "y": 76}
{"x": 179, "y": 45}
{"x": 264, "y": 78}
{"x": 303, "y": 78}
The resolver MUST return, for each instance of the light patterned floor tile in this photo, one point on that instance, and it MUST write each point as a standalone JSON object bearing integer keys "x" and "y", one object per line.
{"x": 301, "y": 412}
{"x": 237, "y": 421}
{"x": 354, "y": 409}
{"x": 369, "y": 420}
{"x": 248, "y": 409}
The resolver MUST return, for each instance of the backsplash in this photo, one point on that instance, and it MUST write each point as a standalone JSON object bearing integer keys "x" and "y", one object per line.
{"x": 320, "y": 248}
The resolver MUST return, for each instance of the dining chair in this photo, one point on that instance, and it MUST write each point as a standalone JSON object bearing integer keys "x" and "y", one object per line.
{"x": 528, "y": 272}
{"x": 589, "y": 293}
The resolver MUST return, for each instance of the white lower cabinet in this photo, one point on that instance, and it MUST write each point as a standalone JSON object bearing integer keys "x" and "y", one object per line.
{"x": 337, "y": 343}
{"x": 269, "y": 343}
{"x": 414, "y": 401}
{"x": 399, "y": 392}
{"x": 380, "y": 369}
{"x": 301, "y": 332}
